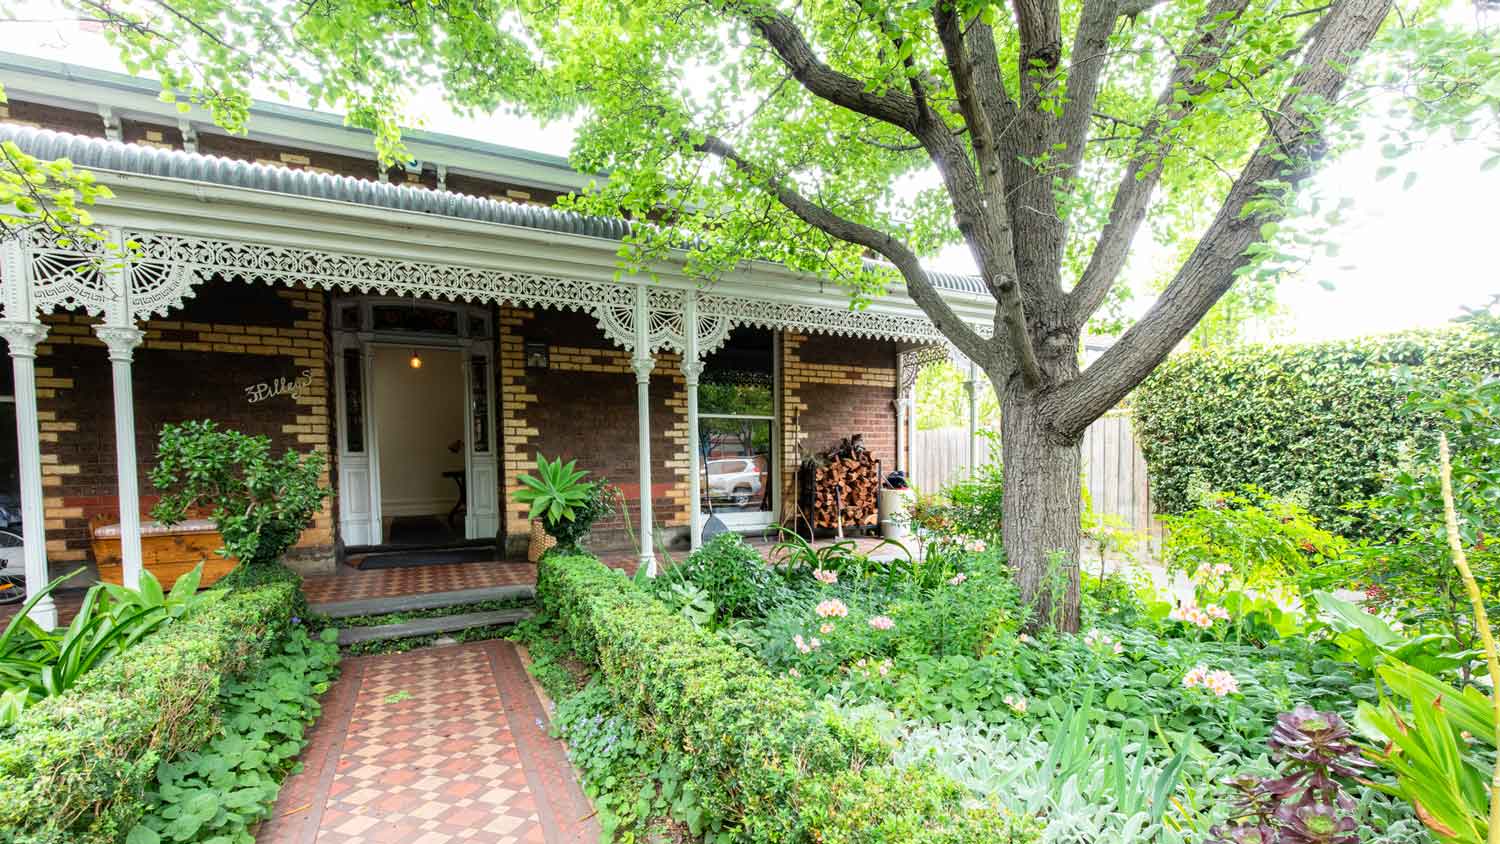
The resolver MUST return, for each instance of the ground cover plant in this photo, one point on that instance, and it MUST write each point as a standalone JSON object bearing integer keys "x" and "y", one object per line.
{"x": 1231, "y": 710}
{"x": 220, "y": 791}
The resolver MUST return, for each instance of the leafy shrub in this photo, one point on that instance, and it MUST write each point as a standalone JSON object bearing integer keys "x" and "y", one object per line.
{"x": 75, "y": 768}
{"x": 1260, "y": 538}
{"x": 37, "y": 663}
{"x": 219, "y": 791}
{"x": 597, "y": 505}
{"x": 976, "y": 505}
{"x": 259, "y": 503}
{"x": 731, "y": 574}
{"x": 1407, "y": 516}
{"x": 1323, "y": 419}
{"x": 764, "y": 763}
{"x": 856, "y": 628}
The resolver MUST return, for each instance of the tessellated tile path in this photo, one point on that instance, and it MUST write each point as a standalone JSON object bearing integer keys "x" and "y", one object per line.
{"x": 432, "y": 746}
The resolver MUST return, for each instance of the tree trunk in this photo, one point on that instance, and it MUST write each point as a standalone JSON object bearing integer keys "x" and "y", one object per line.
{"x": 1042, "y": 508}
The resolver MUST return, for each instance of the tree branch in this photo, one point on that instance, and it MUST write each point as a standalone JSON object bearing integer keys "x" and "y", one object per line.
{"x": 1040, "y": 24}
{"x": 1131, "y": 8}
{"x": 1286, "y": 155}
{"x": 894, "y": 107}
{"x": 994, "y": 241}
{"x": 918, "y": 283}
{"x": 1142, "y": 174}
{"x": 1085, "y": 68}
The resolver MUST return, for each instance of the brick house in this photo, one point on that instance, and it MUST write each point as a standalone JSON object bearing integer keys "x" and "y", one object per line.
{"x": 431, "y": 327}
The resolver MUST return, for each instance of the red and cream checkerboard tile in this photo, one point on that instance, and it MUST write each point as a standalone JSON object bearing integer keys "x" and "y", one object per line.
{"x": 433, "y": 746}
{"x": 352, "y": 584}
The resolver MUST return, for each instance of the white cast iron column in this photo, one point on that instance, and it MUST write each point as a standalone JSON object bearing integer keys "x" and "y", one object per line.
{"x": 692, "y": 368}
{"x": 643, "y": 363}
{"x": 23, "y": 338}
{"x": 971, "y": 386}
{"x": 122, "y": 342}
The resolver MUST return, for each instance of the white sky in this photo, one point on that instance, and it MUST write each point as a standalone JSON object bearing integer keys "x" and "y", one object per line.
{"x": 1408, "y": 258}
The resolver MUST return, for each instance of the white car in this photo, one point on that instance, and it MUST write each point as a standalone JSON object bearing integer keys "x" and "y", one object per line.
{"x": 737, "y": 480}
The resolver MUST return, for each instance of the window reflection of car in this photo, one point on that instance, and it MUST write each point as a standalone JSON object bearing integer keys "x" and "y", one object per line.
{"x": 736, "y": 480}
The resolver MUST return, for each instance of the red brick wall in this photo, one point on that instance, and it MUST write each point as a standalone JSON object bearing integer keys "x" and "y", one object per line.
{"x": 195, "y": 365}
{"x": 583, "y": 405}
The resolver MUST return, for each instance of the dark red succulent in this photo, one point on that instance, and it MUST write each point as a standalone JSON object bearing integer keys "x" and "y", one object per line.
{"x": 1319, "y": 823}
{"x": 1306, "y": 802}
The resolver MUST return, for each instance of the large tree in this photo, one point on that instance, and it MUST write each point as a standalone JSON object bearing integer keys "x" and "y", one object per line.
{"x": 824, "y": 133}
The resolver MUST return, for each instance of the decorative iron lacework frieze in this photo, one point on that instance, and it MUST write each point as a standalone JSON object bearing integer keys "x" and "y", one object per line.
{"x": 913, "y": 361}
{"x": 168, "y": 267}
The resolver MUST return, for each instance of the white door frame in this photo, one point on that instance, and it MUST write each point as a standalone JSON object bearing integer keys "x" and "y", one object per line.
{"x": 360, "y": 517}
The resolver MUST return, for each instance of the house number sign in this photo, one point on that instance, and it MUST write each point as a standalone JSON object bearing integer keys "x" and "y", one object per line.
{"x": 279, "y": 387}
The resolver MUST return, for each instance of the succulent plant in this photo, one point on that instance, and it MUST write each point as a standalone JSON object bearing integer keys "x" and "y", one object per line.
{"x": 1306, "y": 803}
{"x": 1319, "y": 823}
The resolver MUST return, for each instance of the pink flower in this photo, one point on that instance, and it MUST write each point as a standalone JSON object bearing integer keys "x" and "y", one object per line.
{"x": 882, "y": 622}
{"x": 957, "y": 579}
{"x": 1118, "y": 649}
{"x": 805, "y": 646}
{"x": 1195, "y": 677}
{"x": 825, "y": 576}
{"x": 1189, "y": 613}
{"x": 1222, "y": 683}
{"x": 792, "y": 672}
{"x": 832, "y": 608}
{"x": 885, "y": 668}
{"x": 1016, "y": 703}
{"x": 1215, "y": 611}
{"x": 825, "y": 628}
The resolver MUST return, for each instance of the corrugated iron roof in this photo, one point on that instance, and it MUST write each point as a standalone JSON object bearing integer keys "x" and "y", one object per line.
{"x": 102, "y": 154}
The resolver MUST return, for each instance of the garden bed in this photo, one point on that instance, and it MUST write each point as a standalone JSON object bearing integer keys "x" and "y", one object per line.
{"x": 784, "y": 702}
{"x": 738, "y": 751}
{"x": 78, "y": 768}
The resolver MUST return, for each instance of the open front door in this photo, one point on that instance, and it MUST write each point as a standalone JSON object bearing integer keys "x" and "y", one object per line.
{"x": 482, "y": 510}
{"x": 359, "y": 496}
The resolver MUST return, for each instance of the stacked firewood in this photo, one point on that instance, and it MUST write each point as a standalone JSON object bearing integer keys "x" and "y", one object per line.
{"x": 845, "y": 486}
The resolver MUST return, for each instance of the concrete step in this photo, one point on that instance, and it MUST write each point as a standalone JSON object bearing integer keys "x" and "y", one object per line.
{"x": 430, "y": 626}
{"x": 427, "y": 601}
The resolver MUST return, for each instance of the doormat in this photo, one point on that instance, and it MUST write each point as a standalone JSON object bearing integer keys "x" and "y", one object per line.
{"x": 424, "y": 531}
{"x": 408, "y": 559}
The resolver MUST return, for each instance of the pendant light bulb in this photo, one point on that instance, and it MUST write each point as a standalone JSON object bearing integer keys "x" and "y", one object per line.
{"x": 416, "y": 360}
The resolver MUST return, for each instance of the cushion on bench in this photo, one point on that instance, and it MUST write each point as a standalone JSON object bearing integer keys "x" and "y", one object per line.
{"x": 159, "y": 529}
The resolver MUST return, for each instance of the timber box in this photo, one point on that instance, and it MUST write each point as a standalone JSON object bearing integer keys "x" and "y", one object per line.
{"x": 166, "y": 552}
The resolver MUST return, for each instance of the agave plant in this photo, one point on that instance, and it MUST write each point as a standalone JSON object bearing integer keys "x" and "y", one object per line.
{"x": 556, "y": 491}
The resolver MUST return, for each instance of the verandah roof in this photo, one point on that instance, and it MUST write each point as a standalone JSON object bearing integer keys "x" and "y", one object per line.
{"x": 102, "y": 154}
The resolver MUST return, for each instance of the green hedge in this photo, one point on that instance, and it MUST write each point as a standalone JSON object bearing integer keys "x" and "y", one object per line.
{"x": 1322, "y": 420}
{"x": 762, "y": 757}
{"x": 75, "y": 768}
